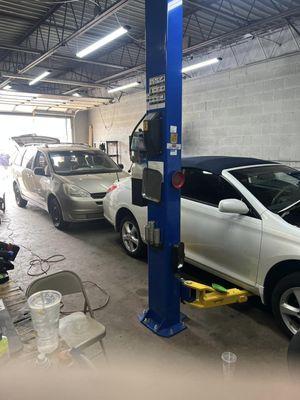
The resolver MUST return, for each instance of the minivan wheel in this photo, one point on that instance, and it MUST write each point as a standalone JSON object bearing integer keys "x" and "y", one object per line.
{"x": 131, "y": 237}
{"x": 19, "y": 199}
{"x": 56, "y": 215}
{"x": 286, "y": 303}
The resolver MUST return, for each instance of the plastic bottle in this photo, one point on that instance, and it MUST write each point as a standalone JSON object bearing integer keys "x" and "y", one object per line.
{"x": 229, "y": 364}
{"x": 42, "y": 361}
{"x": 4, "y": 349}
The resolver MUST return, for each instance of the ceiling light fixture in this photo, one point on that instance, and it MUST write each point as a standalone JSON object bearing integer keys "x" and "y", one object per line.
{"x": 102, "y": 42}
{"x": 124, "y": 87}
{"x": 201, "y": 64}
{"x": 39, "y": 78}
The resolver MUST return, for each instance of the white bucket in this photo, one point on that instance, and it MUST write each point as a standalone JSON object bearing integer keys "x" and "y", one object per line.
{"x": 44, "y": 309}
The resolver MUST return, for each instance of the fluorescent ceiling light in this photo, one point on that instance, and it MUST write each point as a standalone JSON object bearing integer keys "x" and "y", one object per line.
{"x": 201, "y": 64}
{"x": 174, "y": 4}
{"x": 120, "y": 88}
{"x": 40, "y": 77}
{"x": 7, "y": 87}
{"x": 102, "y": 42}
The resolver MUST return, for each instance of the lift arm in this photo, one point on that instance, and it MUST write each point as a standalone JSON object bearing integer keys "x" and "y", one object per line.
{"x": 203, "y": 296}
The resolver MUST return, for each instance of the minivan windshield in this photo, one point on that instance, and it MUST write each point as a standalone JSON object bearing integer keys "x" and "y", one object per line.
{"x": 277, "y": 187}
{"x": 76, "y": 162}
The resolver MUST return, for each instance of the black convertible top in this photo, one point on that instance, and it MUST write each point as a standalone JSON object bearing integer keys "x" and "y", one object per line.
{"x": 216, "y": 164}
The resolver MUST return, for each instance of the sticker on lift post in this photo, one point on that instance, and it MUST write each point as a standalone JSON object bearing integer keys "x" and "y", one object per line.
{"x": 173, "y": 146}
{"x": 157, "y": 92}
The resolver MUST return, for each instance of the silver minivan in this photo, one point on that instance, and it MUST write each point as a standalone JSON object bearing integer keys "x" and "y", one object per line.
{"x": 68, "y": 180}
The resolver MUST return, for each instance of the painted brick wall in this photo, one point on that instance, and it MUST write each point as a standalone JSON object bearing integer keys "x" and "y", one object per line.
{"x": 250, "y": 111}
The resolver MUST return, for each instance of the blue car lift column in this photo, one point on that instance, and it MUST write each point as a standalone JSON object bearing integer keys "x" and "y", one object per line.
{"x": 164, "y": 95}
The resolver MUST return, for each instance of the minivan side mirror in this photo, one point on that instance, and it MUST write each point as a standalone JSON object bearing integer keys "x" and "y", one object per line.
{"x": 39, "y": 171}
{"x": 233, "y": 206}
{"x": 121, "y": 166}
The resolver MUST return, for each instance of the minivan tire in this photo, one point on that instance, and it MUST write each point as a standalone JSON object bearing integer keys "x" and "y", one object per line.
{"x": 57, "y": 215}
{"x": 19, "y": 199}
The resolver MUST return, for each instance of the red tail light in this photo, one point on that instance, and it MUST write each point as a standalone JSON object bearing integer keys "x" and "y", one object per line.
{"x": 111, "y": 188}
{"x": 178, "y": 180}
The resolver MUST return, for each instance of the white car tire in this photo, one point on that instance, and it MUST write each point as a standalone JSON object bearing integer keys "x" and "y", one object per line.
{"x": 286, "y": 303}
{"x": 131, "y": 237}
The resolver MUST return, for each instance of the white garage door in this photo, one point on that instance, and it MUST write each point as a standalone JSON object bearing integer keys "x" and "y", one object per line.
{"x": 11, "y": 125}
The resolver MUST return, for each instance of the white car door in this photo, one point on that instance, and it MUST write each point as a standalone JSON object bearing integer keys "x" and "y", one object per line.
{"x": 228, "y": 244}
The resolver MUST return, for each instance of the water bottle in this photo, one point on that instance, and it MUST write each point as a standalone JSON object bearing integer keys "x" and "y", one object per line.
{"x": 4, "y": 349}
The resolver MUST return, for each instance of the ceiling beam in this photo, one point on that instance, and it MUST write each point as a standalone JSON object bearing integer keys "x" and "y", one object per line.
{"x": 11, "y": 76}
{"x": 243, "y": 30}
{"x": 236, "y": 33}
{"x": 59, "y": 56}
{"x": 213, "y": 11}
{"x": 45, "y": 24}
{"x": 85, "y": 28}
{"x": 44, "y": 18}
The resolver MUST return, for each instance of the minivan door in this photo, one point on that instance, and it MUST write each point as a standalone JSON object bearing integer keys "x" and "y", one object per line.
{"x": 26, "y": 176}
{"x": 41, "y": 183}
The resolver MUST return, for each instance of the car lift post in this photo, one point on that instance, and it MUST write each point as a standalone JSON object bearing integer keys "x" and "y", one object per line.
{"x": 164, "y": 61}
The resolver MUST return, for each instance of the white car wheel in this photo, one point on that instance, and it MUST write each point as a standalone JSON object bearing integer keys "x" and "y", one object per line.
{"x": 290, "y": 309}
{"x": 131, "y": 237}
{"x": 286, "y": 303}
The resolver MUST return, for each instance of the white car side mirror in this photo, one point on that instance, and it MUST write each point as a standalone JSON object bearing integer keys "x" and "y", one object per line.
{"x": 233, "y": 206}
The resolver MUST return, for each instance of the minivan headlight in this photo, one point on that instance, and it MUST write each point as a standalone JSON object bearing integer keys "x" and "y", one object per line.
{"x": 75, "y": 191}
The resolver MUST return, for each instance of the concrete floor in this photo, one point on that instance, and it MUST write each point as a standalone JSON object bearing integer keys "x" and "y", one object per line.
{"x": 94, "y": 252}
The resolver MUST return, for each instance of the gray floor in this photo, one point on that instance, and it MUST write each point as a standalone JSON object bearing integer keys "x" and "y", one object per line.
{"x": 94, "y": 252}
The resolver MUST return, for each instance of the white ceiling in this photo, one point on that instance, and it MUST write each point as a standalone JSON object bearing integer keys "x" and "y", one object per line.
{"x": 12, "y": 101}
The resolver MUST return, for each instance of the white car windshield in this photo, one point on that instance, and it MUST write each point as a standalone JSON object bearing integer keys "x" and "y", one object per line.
{"x": 277, "y": 187}
{"x": 82, "y": 162}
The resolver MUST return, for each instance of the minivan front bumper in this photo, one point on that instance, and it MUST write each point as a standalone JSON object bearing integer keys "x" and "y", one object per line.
{"x": 81, "y": 209}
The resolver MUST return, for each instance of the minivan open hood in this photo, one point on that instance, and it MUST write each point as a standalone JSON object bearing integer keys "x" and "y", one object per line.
{"x": 23, "y": 140}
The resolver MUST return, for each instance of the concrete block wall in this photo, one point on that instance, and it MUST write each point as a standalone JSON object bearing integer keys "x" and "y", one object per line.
{"x": 116, "y": 122}
{"x": 250, "y": 111}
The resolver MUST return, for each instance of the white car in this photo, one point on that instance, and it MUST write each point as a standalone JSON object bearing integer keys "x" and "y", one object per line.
{"x": 240, "y": 220}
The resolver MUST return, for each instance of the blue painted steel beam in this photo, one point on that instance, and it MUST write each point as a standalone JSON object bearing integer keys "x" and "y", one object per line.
{"x": 164, "y": 21}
